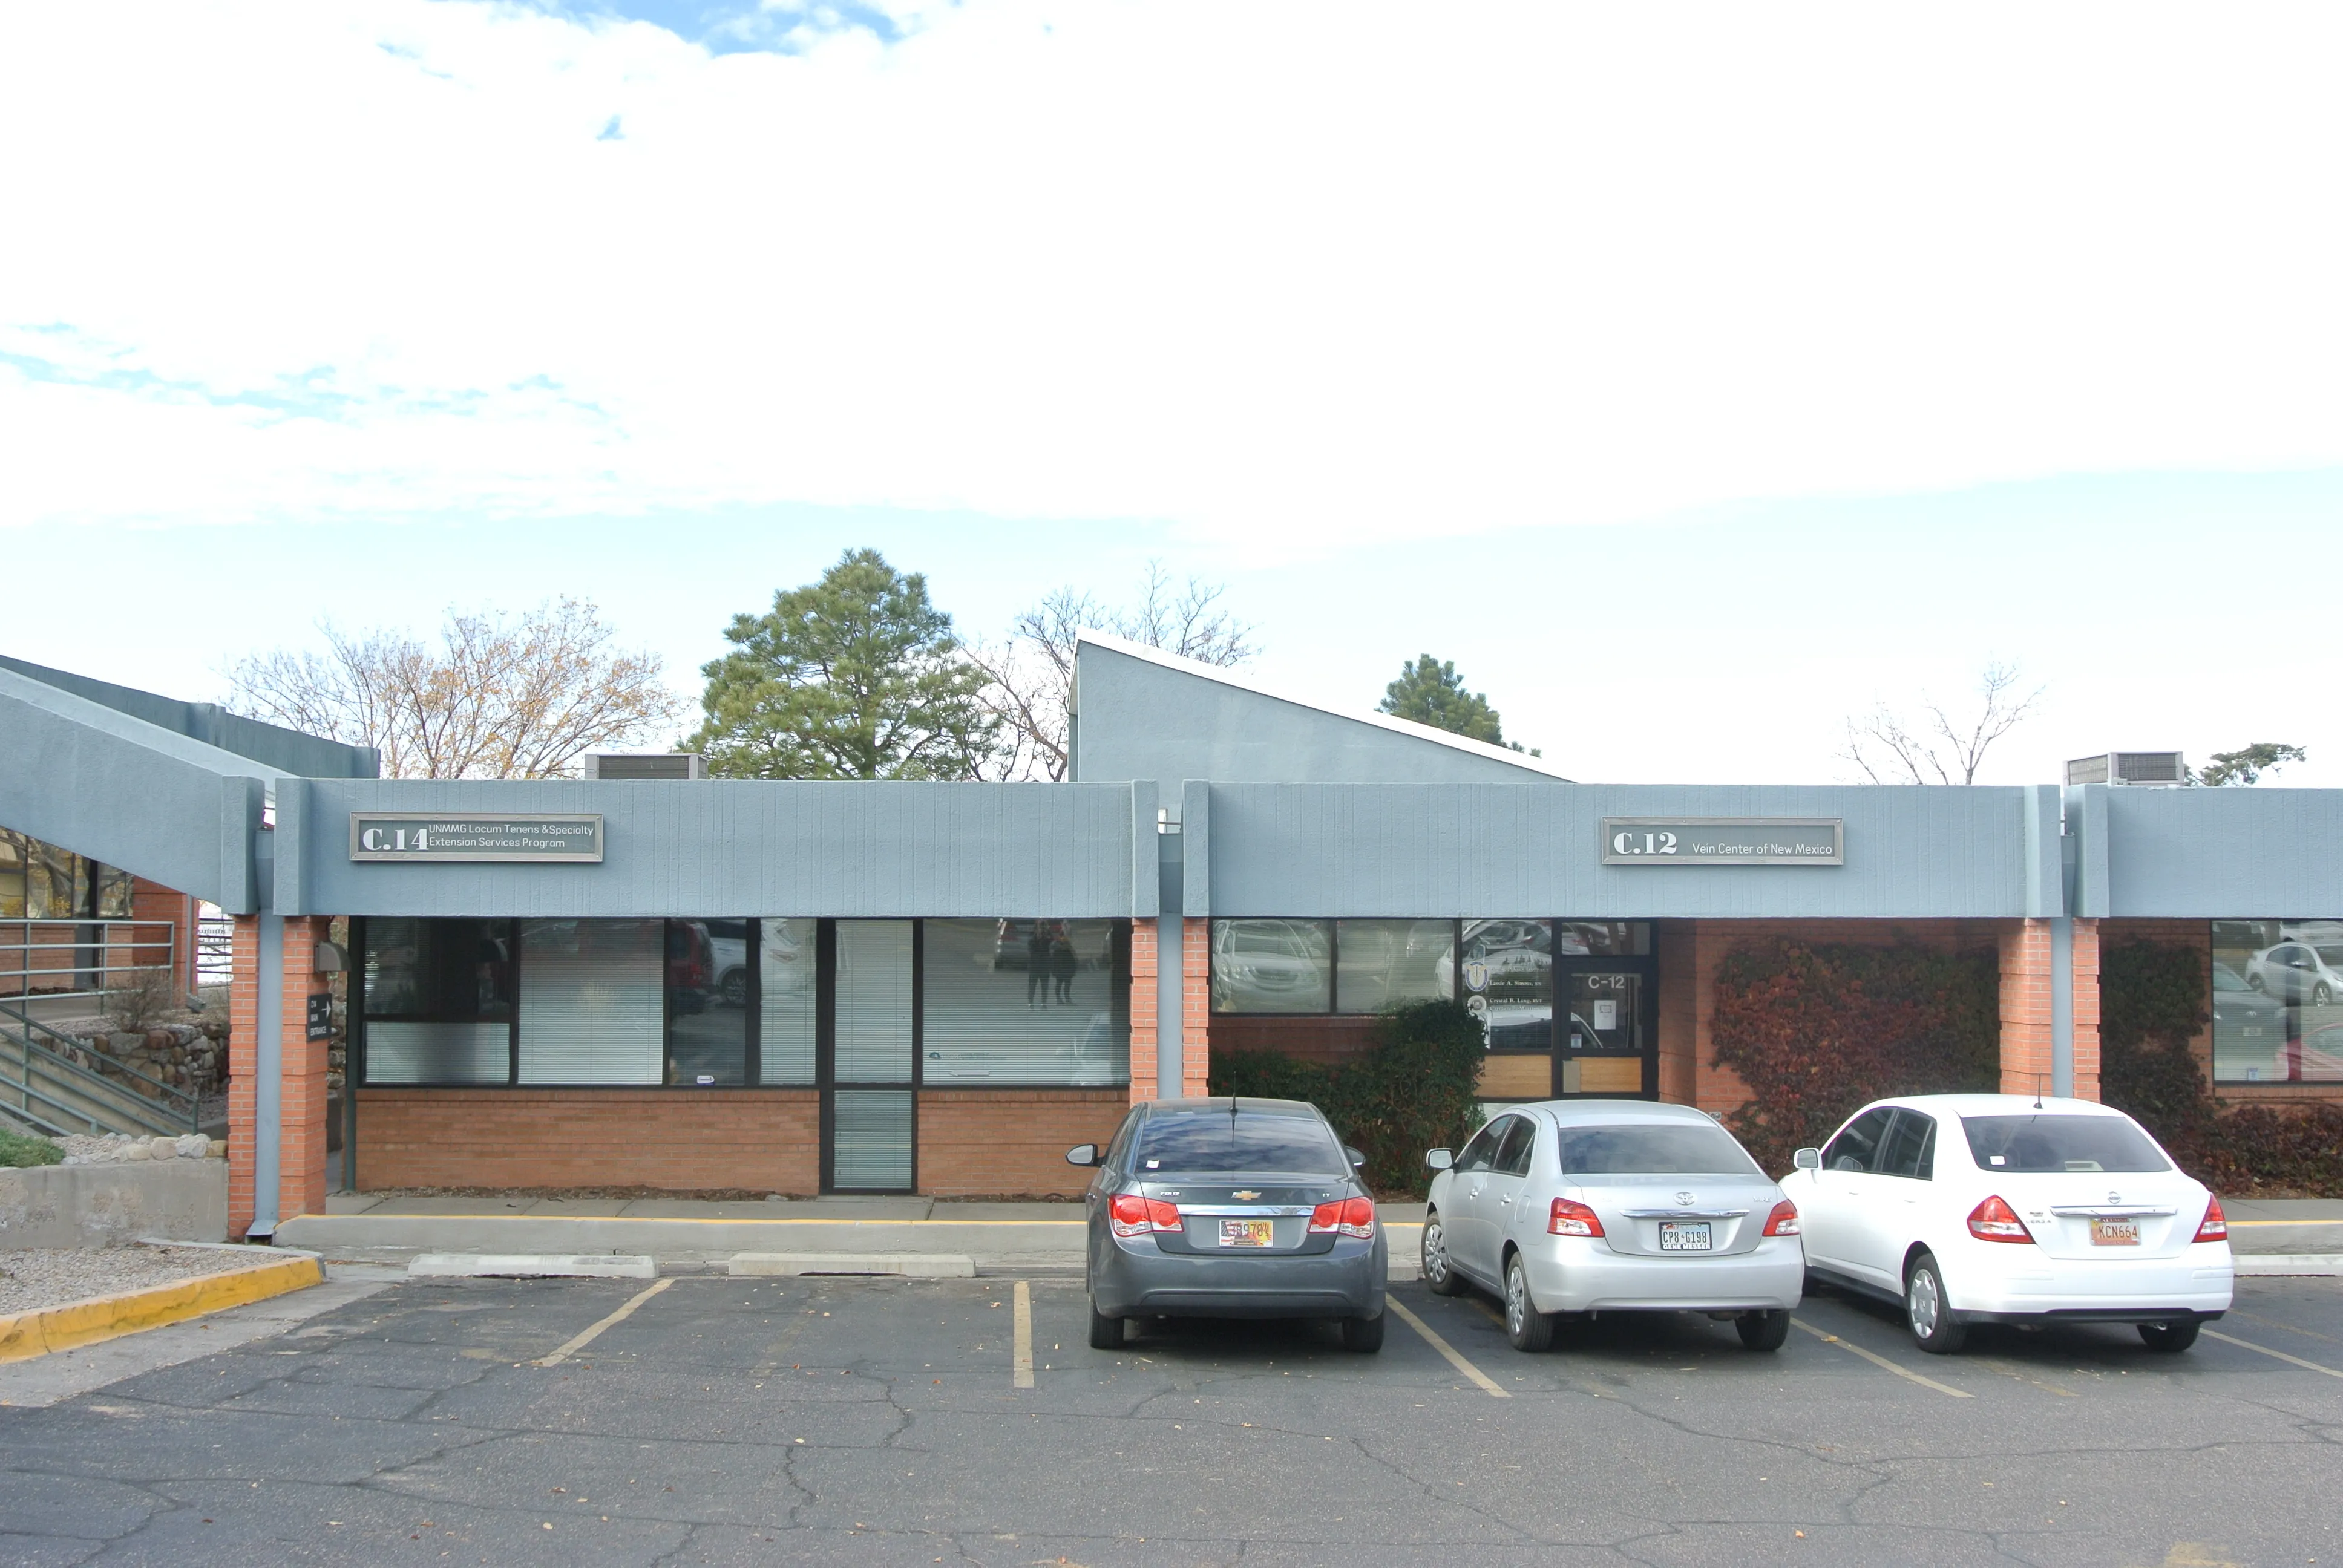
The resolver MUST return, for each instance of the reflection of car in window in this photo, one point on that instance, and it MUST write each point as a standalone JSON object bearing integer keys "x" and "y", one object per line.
{"x": 2296, "y": 972}
{"x": 1268, "y": 957}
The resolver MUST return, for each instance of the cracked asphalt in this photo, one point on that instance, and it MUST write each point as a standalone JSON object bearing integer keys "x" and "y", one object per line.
{"x": 874, "y": 1422}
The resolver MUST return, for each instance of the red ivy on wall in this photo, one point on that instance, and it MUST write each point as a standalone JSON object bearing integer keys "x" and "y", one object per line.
{"x": 1815, "y": 1029}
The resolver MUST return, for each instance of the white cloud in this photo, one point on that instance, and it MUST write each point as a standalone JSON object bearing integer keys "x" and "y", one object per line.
{"x": 1285, "y": 275}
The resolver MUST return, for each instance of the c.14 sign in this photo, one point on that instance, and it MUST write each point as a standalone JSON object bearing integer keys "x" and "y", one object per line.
{"x": 429, "y": 836}
{"x": 1724, "y": 841}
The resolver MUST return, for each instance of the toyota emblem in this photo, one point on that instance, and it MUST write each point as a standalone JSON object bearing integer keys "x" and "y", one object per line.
{"x": 1684, "y": 1197}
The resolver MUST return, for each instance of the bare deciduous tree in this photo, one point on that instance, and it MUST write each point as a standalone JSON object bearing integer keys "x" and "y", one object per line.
{"x": 1030, "y": 674}
{"x": 492, "y": 701}
{"x": 1934, "y": 750}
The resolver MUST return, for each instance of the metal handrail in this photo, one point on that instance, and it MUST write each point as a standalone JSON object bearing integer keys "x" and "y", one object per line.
{"x": 94, "y": 939}
{"x": 55, "y": 1059}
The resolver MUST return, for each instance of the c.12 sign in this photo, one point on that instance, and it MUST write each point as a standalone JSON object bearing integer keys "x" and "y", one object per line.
{"x": 1724, "y": 841}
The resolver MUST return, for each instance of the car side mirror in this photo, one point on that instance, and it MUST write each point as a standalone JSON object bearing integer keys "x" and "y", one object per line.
{"x": 1357, "y": 1160}
{"x": 1439, "y": 1159}
{"x": 1083, "y": 1154}
{"x": 1808, "y": 1160}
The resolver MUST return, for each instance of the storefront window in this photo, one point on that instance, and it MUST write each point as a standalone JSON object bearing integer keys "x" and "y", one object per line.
{"x": 11, "y": 875}
{"x": 874, "y": 1001}
{"x": 785, "y": 1003}
{"x": 707, "y": 1031}
{"x": 1026, "y": 1001}
{"x": 1272, "y": 966}
{"x": 39, "y": 881}
{"x": 2277, "y": 1002}
{"x": 439, "y": 1002}
{"x": 1603, "y": 939}
{"x": 1381, "y": 964}
{"x": 1508, "y": 981}
{"x": 592, "y": 1000}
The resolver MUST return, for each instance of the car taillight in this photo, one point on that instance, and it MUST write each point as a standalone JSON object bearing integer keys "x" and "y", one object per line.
{"x": 2216, "y": 1227}
{"x": 1564, "y": 1217}
{"x": 1784, "y": 1220}
{"x": 1131, "y": 1215}
{"x": 1995, "y": 1220}
{"x": 1345, "y": 1217}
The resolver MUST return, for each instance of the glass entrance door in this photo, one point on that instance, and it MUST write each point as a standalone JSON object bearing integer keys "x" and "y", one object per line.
{"x": 1607, "y": 976}
{"x": 869, "y": 1051}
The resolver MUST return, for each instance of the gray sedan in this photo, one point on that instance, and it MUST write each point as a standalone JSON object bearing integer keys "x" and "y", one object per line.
{"x": 1230, "y": 1209}
{"x": 1572, "y": 1208}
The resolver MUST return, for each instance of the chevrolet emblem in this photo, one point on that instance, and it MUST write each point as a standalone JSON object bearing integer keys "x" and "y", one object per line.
{"x": 1246, "y": 1193}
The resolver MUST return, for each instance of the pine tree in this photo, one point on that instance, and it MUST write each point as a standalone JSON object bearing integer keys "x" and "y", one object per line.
{"x": 856, "y": 676}
{"x": 1430, "y": 691}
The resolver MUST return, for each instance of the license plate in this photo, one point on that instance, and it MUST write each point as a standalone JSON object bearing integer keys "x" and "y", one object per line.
{"x": 1676, "y": 1238}
{"x": 2115, "y": 1232}
{"x": 1245, "y": 1233}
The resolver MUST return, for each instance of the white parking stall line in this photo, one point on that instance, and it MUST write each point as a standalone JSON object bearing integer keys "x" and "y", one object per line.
{"x": 1879, "y": 1361}
{"x": 588, "y": 1338}
{"x": 2265, "y": 1349}
{"x": 1021, "y": 1363}
{"x": 1487, "y": 1384}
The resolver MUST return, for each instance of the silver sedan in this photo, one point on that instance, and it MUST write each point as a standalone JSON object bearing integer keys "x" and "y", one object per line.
{"x": 1572, "y": 1207}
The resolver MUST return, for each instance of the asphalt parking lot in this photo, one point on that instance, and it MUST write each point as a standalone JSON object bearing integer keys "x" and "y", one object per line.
{"x": 845, "y": 1421}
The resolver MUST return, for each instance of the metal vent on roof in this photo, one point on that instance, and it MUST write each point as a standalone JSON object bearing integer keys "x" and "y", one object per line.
{"x": 645, "y": 765}
{"x": 2167, "y": 768}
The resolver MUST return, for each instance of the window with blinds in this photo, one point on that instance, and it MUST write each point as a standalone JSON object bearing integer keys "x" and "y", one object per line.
{"x": 592, "y": 1005}
{"x": 1025, "y": 1001}
{"x": 874, "y": 1002}
{"x": 786, "y": 995}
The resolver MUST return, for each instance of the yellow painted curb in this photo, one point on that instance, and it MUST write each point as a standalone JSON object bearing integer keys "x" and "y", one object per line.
{"x": 44, "y": 1330}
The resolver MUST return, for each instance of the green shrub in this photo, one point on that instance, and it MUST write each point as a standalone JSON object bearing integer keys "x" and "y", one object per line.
{"x": 17, "y": 1151}
{"x": 1414, "y": 1090}
{"x": 2152, "y": 1003}
{"x": 1815, "y": 1029}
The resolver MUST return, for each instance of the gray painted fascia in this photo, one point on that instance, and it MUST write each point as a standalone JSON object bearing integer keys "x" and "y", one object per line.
{"x": 2239, "y": 853}
{"x": 748, "y": 847}
{"x": 273, "y": 745}
{"x": 2045, "y": 876}
{"x": 1142, "y": 719}
{"x": 1196, "y": 875}
{"x": 104, "y": 784}
{"x": 2087, "y": 826}
{"x": 1146, "y": 880}
{"x": 1437, "y": 850}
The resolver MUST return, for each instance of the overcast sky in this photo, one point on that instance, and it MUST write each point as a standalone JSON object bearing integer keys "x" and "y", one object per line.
{"x": 1692, "y": 375}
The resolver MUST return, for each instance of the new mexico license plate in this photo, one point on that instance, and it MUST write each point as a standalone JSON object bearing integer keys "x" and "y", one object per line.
{"x": 1676, "y": 1238}
{"x": 1244, "y": 1233}
{"x": 2115, "y": 1232}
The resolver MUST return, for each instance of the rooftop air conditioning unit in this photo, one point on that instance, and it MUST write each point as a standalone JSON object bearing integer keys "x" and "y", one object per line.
{"x": 645, "y": 765}
{"x": 2163, "y": 768}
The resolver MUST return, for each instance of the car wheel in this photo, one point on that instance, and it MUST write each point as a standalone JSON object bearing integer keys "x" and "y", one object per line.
{"x": 1929, "y": 1312}
{"x": 2319, "y": 996}
{"x": 1106, "y": 1332}
{"x": 736, "y": 989}
{"x": 2254, "y": 980}
{"x": 1440, "y": 1276}
{"x": 1526, "y": 1328}
{"x": 1365, "y": 1335}
{"x": 1763, "y": 1331}
{"x": 2169, "y": 1338}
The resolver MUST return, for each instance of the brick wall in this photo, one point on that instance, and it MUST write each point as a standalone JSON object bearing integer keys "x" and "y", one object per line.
{"x": 1196, "y": 1005}
{"x": 2026, "y": 1013}
{"x": 760, "y": 1140}
{"x": 153, "y": 902}
{"x": 1012, "y": 1143}
{"x": 301, "y": 1150}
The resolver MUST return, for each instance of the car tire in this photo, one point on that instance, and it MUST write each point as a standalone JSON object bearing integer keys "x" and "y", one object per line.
{"x": 736, "y": 988}
{"x": 1526, "y": 1328}
{"x": 1928, "y": 1312}
{"x": 1365, "y": 1335}
{"x": 2320, "y": 996}
{"x": 2169, "y": 1338}
{"x": 2254, "y": 981}
{"x": 1440, "y": 1275}
{"x": 1106, "y": 1332}
{"x": 1765, "y": 1331}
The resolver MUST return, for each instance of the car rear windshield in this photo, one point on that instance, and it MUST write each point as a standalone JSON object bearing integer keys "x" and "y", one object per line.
{"x": 2051, "y": 1142}
{"x": 1214, "y": 1144}
{"x": 1630, "y": 1149}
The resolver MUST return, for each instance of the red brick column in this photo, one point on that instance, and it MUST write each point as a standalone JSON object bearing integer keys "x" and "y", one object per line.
{"x": 301, "y": 1143}
{"x": 2025, "y": 1016}
{"x": 1143, "y": 993}
{"x": 1195, "y": 1005}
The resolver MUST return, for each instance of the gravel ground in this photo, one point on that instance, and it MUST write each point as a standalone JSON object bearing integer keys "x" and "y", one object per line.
{"x": 52, "y": 1276}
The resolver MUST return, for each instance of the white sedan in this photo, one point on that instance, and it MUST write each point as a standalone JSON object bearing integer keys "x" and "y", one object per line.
{"x": 2005, "y": 1208}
